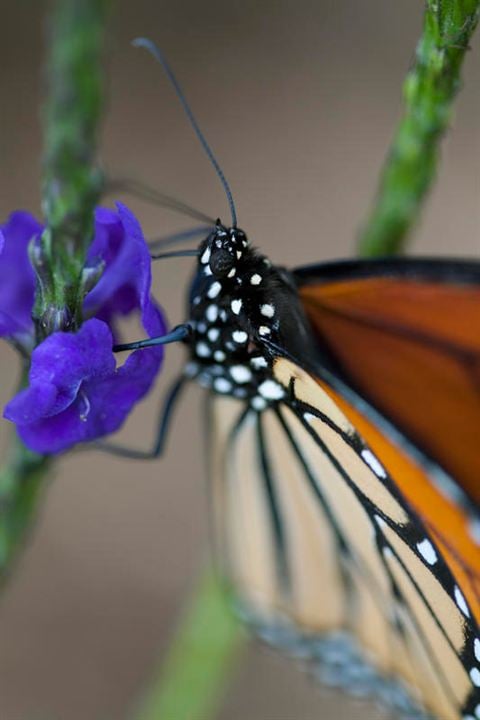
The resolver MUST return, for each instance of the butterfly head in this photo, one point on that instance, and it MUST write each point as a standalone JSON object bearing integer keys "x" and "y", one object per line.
{"x": 224, "y": 250}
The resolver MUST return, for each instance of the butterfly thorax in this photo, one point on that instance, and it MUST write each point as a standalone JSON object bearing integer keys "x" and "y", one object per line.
{"x": 241, "y": 306}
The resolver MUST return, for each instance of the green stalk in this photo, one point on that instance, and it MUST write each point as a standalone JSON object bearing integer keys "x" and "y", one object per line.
{"x": 202, "y": 655}
{"x": 206, "y": 649}
{"x": 72, "y": 182}
{"x": 429, "y": 92}
{"x": 69, "y": 196}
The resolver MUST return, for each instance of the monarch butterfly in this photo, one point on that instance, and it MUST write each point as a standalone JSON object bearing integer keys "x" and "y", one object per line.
{"x": 343, "y": 407}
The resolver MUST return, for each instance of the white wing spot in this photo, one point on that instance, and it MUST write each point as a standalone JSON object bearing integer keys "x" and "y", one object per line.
{"x": 240, "y": 336}
{"x": 201, "y": 327}
{"x": 427, "y": 551}
{"x": 191, "y": 369}
{"x": 232, "y": 273}
{"x": 460, "y": 600}
{"x": 206, "y": 256}
{"x": 240, "y": 373}
{"x": 271, "y": 390}
{"x": 264, "y": 330}
{"x": 222, "y": 385}
{"x": 202, "y": 349}
{"x": 476, "y": 648}
{"x": 219, "y": 355}
{"x": 239, "y": 254}
{"x": 236, "y": 306}
{"x": 258, "y": 362}
{"x": 268, "y": 310}
{"x": 256, "y": 279}
{"x": 214, "y": 289}
{"x": 207, "y": 271}
{"x": 372, "y": 461}
{"x": 475, "y": 676}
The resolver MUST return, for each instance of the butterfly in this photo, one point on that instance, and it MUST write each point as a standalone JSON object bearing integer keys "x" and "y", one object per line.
{"x": 343, "y": 418}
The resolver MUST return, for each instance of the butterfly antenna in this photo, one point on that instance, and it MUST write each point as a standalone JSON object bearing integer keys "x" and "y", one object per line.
{"x": 157, "y": 54}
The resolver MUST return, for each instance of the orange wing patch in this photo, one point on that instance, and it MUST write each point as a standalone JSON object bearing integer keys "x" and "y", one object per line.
{"x": 412, "y": 348}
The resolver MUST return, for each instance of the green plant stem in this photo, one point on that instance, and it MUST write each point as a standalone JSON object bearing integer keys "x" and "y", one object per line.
{"x": 204, "y": 653}
{"x": 69, "y": 196}
{"x": 72, "y": 182}
{"x": 429, "y": 91}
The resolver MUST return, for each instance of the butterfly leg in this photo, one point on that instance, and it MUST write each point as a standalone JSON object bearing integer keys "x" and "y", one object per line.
{"x": 163, "y": 426}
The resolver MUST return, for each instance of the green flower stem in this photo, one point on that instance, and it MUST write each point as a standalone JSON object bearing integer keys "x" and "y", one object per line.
{"x": 72, "y": 182}
{"x": 69, "y": 197}
{"x": 429, "y": 91}
{"x": 205, "y": 651}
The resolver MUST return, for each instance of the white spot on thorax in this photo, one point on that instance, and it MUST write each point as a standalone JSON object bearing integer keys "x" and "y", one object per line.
{"x": 271, "y": 390}
{"x": 460, "y": 600}
{"x": 232, "y": 273}
{"x": 240, "y": 373}
{"x": 213, "y": 334}
{"x": 239, "y": 254}
{"x": 202, "y": 349}
{"x": 372, "y": 461}
{"x": 236, "y": 306}
{"x": 206, "y": 256}
{"x": 427, "y": 551}
{"x": 211, "y": 313}
{"x": 256, "y": 279}
{"x": 259, "y": 403}
{"x": 214, "y": 289}
{"x": 268, "y": 310}
{"x": 475, "y": 676}
{"x": 201, "y": 327}
{"x": 264, "y": 330}
{"x": 222, "y": 385}
{"x": 258, "y": 362}
{"x": 240, "y": 336}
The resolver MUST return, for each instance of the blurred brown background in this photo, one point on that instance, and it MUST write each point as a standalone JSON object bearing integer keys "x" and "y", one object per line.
{"x": 299, "y": 100}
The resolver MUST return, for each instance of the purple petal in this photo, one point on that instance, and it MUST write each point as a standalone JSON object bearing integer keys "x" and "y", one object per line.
{"x": 17, "y": 278}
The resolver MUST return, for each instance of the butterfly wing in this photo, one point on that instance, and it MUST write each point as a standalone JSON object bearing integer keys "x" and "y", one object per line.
{"x": 327, "y": 556}
{"x": 406, "y": 335}
{"x": 340, "y": 540}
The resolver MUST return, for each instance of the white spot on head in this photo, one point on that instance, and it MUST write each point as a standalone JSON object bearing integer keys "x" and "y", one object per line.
{"x": 240, "y": 336}
{"x": 264, "y": 330}
{"x": 259, "y": 403}
{"x": 219, "y": 355}
{"x": 460, "y": 600}
{"x": 258, "y": 362}
{"x": 207, "y": 271}
{"x": 240, "y": 373}
{"x": 232, "y": 273}
{"x": 202, "y": 349}
{"x": 256, "y": 279}
{"x": 214, "y": 289}
{"x": 268, "y": 310}
{"x": 475, "y": 676}
{"x": 427, "y": 551}
{"x": 239, "y": 254}
{"x": 213, "y": 334}
{"x": 236, "y": 306}
{"x": 476, "y": 648}
{"x": 211, "y": 313}
{"x": 222, "y": 385}
{"x": 372, "y": 461}
{"x": 206, "y": 256}
{"x": 196, "y": 300}
{"x": 271, "y": 390}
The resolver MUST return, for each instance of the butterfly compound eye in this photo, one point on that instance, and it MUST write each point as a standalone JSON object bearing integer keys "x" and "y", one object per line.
{"x": 221, "y": 262}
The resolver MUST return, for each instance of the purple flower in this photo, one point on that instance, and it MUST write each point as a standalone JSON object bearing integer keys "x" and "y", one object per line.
{"x": 76, "y": 393}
